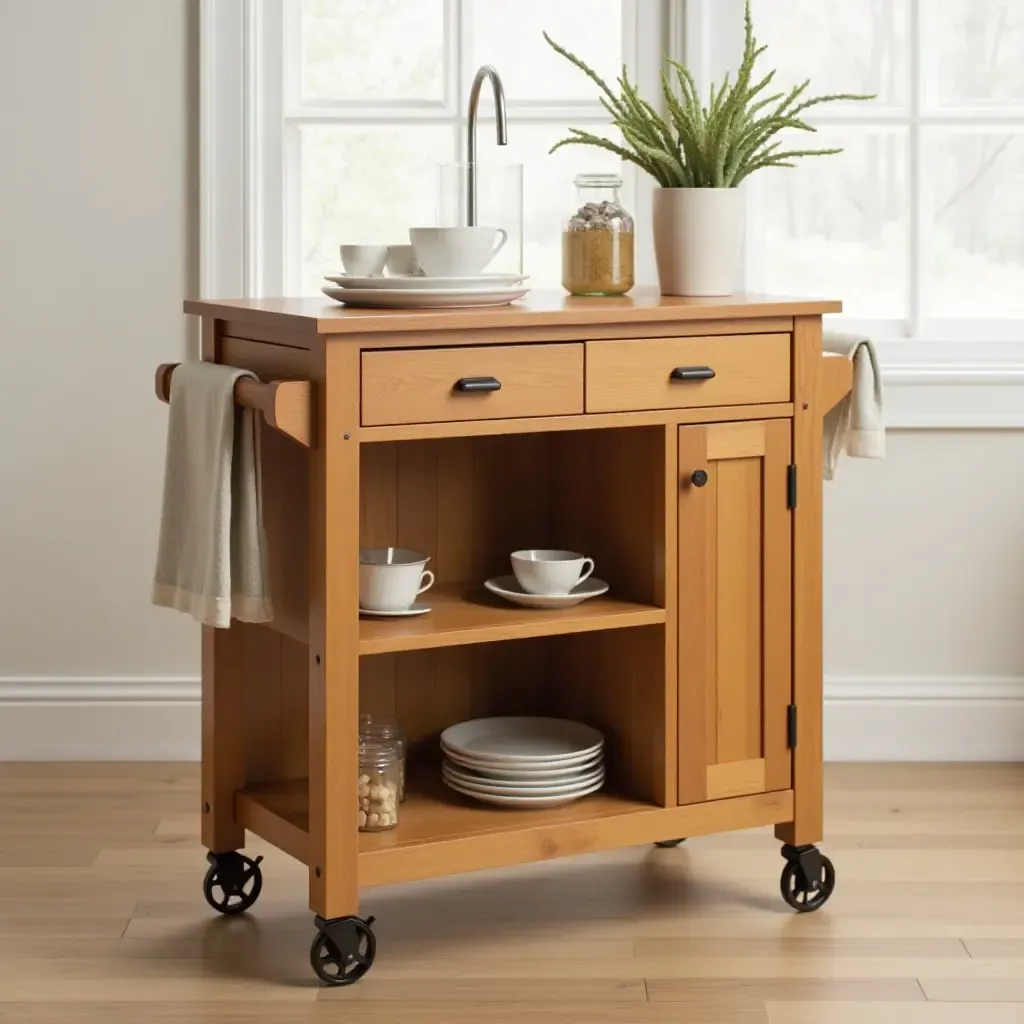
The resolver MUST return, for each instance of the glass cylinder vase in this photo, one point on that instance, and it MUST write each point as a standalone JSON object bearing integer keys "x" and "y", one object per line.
{"x": 499, "y": 204}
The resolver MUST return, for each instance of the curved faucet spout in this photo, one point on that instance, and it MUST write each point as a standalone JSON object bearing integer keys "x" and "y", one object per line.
{"x": 500, "y": 124}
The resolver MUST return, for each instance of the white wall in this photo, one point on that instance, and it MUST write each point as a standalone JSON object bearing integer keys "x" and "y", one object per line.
{"x": 924, "y": 553}
{"x": 924, "y": 598}
{"x": 98, "y": 227}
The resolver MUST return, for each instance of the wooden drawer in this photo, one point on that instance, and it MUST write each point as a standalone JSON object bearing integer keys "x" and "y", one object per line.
{"x": 433, "y": 385}
{"x": 748, "y": 369}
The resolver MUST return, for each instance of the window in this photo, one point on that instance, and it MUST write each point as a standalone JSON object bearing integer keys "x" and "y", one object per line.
{"x": 917, "y": 225}
{"x": 334, "y": 114}
{"x": 353, "y": 105}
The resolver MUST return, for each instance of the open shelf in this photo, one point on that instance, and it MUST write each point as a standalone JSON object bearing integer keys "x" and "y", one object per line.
{"x": 444, "y": 833}
{"x": 469, "y": 614}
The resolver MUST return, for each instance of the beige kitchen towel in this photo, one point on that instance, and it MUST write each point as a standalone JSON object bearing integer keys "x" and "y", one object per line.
{"x": 212, "y": 559}
{"x": 855, "y": 425}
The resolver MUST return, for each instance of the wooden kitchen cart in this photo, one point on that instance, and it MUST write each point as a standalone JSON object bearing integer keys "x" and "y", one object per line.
{"x": 676, "y": 441}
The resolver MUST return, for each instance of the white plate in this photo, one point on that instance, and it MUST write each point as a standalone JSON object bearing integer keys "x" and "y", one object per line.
{"x": 488, "y": 281}
{"x": 425, "y": 298}
{"x": 524, "y": 787}
{"x": 405, "y": 613}
{"x": 522, "y": 740}
{"x": 505, "y": 769}
{"x": 527, "y": 791}
{"x": 510, "y": 589}
{"x": 502, "y": 800}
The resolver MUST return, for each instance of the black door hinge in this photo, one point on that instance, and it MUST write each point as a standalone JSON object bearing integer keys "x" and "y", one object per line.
{"x": 791, "y": 486}
{"x": 791, "y": 726}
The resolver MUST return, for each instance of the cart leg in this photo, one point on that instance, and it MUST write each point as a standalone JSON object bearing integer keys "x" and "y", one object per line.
{"x": 344, "y": 946}
{"x": 223, "y": 738}
{"x": 806, "y": 826}
{"x": 334, "y": 637}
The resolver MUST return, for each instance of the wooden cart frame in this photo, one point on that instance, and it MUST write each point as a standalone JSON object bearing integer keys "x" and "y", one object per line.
{"x": 702, "y": 665}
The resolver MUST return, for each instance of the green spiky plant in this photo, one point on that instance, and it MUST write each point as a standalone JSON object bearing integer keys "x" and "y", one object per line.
{"x": 698, "y": 146}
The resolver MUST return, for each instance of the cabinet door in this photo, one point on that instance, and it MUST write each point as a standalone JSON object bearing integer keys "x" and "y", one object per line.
{"x": 735, "y": 609}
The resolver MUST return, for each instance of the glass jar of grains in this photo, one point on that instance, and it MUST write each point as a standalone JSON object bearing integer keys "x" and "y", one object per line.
{"x": 378, "y": 785}
{"x": 381, "y": 729}
{"x": 597, "y": 241}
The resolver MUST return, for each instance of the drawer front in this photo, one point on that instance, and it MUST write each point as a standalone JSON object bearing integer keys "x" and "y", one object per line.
{"x": 434, "y": 385}
{"x": 685, "y": 373}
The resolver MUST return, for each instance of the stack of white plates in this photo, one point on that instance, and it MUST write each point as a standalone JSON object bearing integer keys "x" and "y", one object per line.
{"x": 523, "y": 762}
{"x": 426, "y": 292}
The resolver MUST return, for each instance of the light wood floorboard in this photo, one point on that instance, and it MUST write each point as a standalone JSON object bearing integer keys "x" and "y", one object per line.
{"x": 102, "y": 920}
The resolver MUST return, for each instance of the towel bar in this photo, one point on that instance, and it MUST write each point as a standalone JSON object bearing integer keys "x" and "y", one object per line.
{"x": 286, "y": 404}
{"x": 835, "y": 381}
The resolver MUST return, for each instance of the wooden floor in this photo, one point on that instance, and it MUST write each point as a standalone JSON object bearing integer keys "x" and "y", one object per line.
{"x": 102, "y": 919}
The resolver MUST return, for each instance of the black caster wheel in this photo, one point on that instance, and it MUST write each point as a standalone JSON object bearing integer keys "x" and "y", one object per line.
{"x": 343, "y": 949}
{"x": 808, "y": 879}
{"x": 669, "y": 844}
{"x": 233, "y": 882}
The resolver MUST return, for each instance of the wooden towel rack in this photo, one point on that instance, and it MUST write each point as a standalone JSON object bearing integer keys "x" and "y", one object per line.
{"x": 836, "y": 379}
{"x": 287, "y": 405}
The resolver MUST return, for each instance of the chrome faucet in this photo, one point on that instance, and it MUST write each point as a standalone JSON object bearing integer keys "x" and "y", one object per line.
{"x": 499, "y": 114}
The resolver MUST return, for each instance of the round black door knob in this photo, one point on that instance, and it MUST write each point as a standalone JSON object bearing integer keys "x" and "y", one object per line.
{"x": 698, "y": 478}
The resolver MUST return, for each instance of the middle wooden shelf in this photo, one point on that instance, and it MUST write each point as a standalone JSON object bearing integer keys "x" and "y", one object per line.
{"x": 465, "y": 613}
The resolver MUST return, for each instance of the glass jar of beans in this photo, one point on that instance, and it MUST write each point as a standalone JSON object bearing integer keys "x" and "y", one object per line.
{"x": 382, "y": 729}
{"x": 379, "y": 778}
{"x": 597, "y": 240}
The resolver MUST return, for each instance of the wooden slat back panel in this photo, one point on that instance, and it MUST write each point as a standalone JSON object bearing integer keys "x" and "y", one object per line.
{"x": 608, "y": 488}
{"x": 615, "y": 681}
{"x": 429, "y": 690}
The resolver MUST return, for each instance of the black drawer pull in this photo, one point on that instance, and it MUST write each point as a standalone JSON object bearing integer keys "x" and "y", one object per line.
{"x": 472, "y": 385}
{"x": 692, "y": 373}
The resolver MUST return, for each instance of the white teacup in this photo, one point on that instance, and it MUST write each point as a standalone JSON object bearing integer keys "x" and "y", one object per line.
{"x": 390, "y": 579}
{"x": 542, "y": 571}
{"x": 456, "y": 252}
{"x": 364, "y": 260}
{"x": 401, "y": 261}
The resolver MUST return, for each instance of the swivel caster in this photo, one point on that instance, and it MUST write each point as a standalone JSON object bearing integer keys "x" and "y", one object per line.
{"x": 669, "y": 844}
{"x": 808, "y": 878}
{"x": 233, "y": 882}
{"x": 343, "y": 949}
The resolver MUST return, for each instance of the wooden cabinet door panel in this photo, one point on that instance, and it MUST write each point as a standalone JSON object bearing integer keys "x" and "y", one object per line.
{"x": 735, "y": 609}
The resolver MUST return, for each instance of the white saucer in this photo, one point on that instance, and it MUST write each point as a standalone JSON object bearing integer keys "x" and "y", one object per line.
{"x": 425, "y": 298}
{"x": 418, "y": 283}
{"x": 509, "y": 588}
{"x": 405, "y": 613}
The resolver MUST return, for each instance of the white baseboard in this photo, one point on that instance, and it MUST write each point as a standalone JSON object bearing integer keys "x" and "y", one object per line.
{"x": 912, "y": 719}
{"x": 99, "y": 719}
{"x": 866, "y": 719}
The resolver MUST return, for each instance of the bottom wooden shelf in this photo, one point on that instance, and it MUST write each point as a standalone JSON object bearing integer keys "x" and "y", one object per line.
{"x": 442, "y": 833}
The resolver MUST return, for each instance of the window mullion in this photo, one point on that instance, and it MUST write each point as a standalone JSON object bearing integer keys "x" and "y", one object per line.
{"x": 914, "y": 174}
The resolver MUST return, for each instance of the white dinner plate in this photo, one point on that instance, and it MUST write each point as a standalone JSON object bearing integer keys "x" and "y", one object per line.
{"x": 424, "y": 298}
{"x": 488, "y": 281}
{"x": 521, "y": 788}
{"x": 510, "y": 589}
{"x": 502, "y": 800}
{"x": 522, "y": 739}
{"x": 562, "y": 767}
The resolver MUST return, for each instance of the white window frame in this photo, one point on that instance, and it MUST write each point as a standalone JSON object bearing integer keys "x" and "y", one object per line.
{"x": 941, "y": 383}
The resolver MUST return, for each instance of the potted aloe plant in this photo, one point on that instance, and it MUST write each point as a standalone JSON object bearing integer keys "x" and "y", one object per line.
{"x": 699, "y": 154}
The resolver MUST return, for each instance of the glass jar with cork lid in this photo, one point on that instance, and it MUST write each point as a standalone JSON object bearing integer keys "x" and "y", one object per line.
{"x": 597, "y": 240}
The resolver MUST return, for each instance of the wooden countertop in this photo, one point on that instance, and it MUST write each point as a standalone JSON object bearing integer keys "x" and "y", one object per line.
{"x": 538, "y": 309}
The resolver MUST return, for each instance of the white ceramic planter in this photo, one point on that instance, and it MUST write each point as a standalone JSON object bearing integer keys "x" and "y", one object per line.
{"x": 698, "y": 237}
